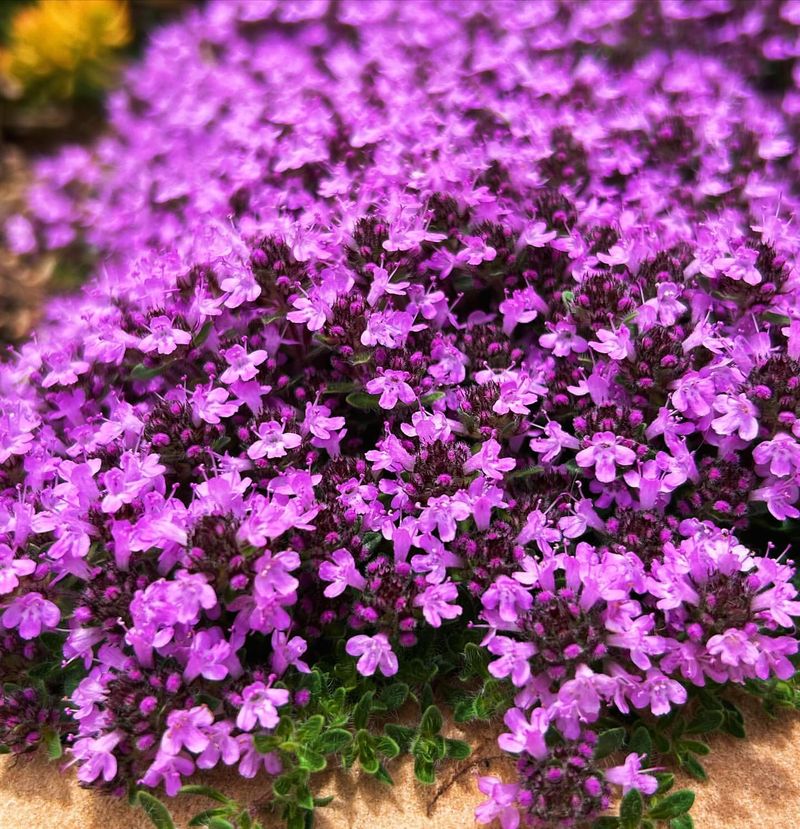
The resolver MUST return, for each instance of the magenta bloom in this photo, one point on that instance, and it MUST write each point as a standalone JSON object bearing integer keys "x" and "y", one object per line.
{"x": 604, "y": 453}
{"x": 525, "y": 734}
{"x": 436, "y": 602}
{"x": 501, "y": 804}
{"x": 260, "y": 705}
{"x": 31, "y": 614}
{"x": 342, "y": 573}
{"x": 630, "y": 776}
{"x": 392, "y": 386}
{"x": 374, "y": 652}
{"x": 737, "y": 416}
{"x": 186, "y": 729}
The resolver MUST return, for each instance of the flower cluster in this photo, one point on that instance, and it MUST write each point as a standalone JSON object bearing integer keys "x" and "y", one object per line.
{"x": 409, "y": 316}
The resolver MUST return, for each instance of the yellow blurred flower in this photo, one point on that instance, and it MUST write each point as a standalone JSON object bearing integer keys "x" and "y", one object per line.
{"x": 58, "y": 48}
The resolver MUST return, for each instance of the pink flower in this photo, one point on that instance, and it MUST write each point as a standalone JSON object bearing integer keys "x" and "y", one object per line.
{"x": 782, "y": 453}
{"x": 342, "y": 573}
{"x": 505, "y": 600}
{"x": 616, "y": 344}
{"x": 31, "y": 613}
{"x": 435, "y": 603}
{"x": 186, "y": 729}
{"x": 659, "y": 692}
{"x": 392, "y": 386}
{"x": 525, "y": 735}
{"x": 442, "y": 513}
{"x": 488, "y": 461}
{"x": 562, "y": 340}
{"x": 12, "y": 568}
{"x": 501, "y": 805}
{"x": 272, "y": 441}
{"x": 738, "y": 416}
{"x": 163, "y": 338}
{"x": 553, "y": 441}
{"x": 604, "y": 452}
{"x": 513, "y": 661}
{"x": 375, "y": 653}
{"x": 96, "y": 756}
{"x": 260, "y": 705}
{"x": 630, "y": 776}
{"x": 241, "y": 365}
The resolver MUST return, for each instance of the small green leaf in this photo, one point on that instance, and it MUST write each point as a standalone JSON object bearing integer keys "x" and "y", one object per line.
{"x": 310, "y": 760}
{"x": 362, "y": 400}
{"x": 696, "y": 747}
{"x": 673, "y": 805}
{"x": 311, "y": 728}
{"x": 457, "y": 749}
{"x": 202, "y": 818}
{"x": 423, "y": 771}
{"x": 142, "y": 372}
{"x": 53, "y": 742}
{"x": 693, "y": 767}
{"x": 387, "y": 747}
{"x": 383, "y": 775}
{"x": 393, "y": 696}
{"x": 431, "y": 722}
{"x": 154, "y": 809}
{"x": 705, "y": 722}
{"x": 264, "y": 743}
{"x": 333, "y": 740}
{"x": 401, "y": 734}
{"x": 641, "y": 741}
{"x": 682, "y": 822}
{"x": 608, "y": 742}
{"x": 320, "y": 802}
{"x": 631, "y": 810}
{"x": 362, "y": 710}
{"x": 606, "y": 822}
{"x": 205, "y": 791}
{"x": 202, "y": 335}
{"x": 666, "y": 781}
{"x": 431, "y": 397}
{"x": 219, "y": 823}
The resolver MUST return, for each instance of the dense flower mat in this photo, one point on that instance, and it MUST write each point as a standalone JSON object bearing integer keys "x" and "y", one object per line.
{"x": 435, "y": 354}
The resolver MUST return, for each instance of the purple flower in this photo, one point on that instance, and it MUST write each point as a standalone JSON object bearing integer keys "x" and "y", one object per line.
{"x": 436, "y": 603}
{"x": 96, "y": 757}
{"x": 737, "y": 416}
{"x": 187, "y": 729}
{"x": 31, "y": 613}
{"x": 374, "y": 652}
{"x": 260, "y": 705}
{"x": 488, "y": 461}
{"x": 12, "y": 568}
{"x": 604, "y": 452}
{"x": 273, "y": 441}
{"x": 526, "y": 735}
{"x": 630, "y": 776}
{"x": 514, "y": 659}
{"x": 392, "y": 386}
{"x": 163, "y": 337}
{"x": 501, "y": 804}
{"x": 659, "y": 693}
{"x": 342, "y": 573}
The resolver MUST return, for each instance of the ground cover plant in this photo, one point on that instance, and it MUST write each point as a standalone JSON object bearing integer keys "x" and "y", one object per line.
{"x": 435, "y": 356}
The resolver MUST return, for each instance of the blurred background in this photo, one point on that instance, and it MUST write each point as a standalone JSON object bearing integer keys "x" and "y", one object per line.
{"x": 57, "y": 59}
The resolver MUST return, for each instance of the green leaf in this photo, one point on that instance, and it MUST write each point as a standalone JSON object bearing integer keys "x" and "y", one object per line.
{"x": 423, "y": 771}
{"x": 696, "y": 747}
{"x": 682, "y": 822}
{"x": 360, "y": 359}
{"x": 320, "y": 802}
{"x": 705, "y": 722}
{"x": 202, "y": 818}
{"x": 393, "y": 696}
{"x": 606, "y": 822}
{"x": 387, "y": 747}
{"x": 401, "y": 734}
{"x": 673, "y": 805}
{"x": 641, "y": 741}
{"x": 142, "y": 372}
{"x": 457, "y": 749}
{"x": 362, "y": 400}
{"x": 154, "y": 809}
{"x": 383, "y": 775}
{"x": 666, "y": 780}
{"x": 264, "y": 743}
{"x": 52, "y": 741}
{"x": 608, "y": 742}
{"x": 305, "y": 800}
{"x": 431, "y": 722}
{"x": 202, "y": 335}
{"x": 310, "y": 760}
{"x": 310, "y": 729}
{"x": 693, "y": 767}
{"x": 631, "y": 810}
{"x": 205, "y": 791}
{"x": 333, "y": 740}
{"x": 219, "y": 823}
{"x": 362, "y": 710}
{"x": 474, "y": 663}
{"x": 431, "y": 397}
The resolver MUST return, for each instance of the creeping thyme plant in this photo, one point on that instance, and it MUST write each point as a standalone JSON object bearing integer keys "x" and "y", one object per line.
{"x": 438, "y": 357}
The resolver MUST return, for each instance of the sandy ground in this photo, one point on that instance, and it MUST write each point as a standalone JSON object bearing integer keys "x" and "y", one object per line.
{"x": 754, "y": 783}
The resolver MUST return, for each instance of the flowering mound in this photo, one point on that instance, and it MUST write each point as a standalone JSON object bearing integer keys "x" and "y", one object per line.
{"x": 435, "y": 353}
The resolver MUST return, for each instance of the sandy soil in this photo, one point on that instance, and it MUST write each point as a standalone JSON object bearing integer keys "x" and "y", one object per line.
{"x": 753, "y": 784}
